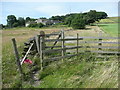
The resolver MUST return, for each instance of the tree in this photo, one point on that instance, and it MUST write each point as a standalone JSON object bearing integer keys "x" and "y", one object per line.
{"x": 11, "y": 19}
{"x": 91, "y": 17}
{"x": 78, "y": 22}
{"x": 1, "y": 26}
{"x": 27, "y": 19}
{"x": 68, "y": 20}
{"x": 101, "y": 15}
{"x": 21, "y": 21}
{"x": 58, "y": 18}
{"x": 16, "y": 24}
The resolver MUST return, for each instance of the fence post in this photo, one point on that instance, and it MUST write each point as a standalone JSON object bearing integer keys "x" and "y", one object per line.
{"x": 77, "y": 44}
{"x": 100, "y": 44}
{"x": 41, "y": 53}
{"x": 100, "y": 41}
{"x": 42, "y": 47}
{"x": 42, "y": 34}
{"x": 63, "y": 44}
{"x": 17, "y": 55}
{"x": 37, "y": 39}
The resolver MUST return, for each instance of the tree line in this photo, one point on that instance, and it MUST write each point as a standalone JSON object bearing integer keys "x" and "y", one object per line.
{"x": 80, "y": 20}
{"x": 74, "y": 20}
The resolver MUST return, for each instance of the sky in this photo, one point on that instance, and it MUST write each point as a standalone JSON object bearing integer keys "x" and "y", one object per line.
{"x": 37, "y": 9}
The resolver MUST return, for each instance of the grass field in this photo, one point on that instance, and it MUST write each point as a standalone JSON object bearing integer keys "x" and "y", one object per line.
{"x": 110, "y": 20}
{"x": 115, "y": 19}
{"x": 106, "y": 20}
{"x": 110, "y": 29}
{"x": 75, "y": 73}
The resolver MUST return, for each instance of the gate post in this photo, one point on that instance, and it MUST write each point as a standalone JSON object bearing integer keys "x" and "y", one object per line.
{"x": 17, "y": 56}
{"x": 42, "y": 47}
{"x": 63, "y": 51}
{"x": 77, "y": 44}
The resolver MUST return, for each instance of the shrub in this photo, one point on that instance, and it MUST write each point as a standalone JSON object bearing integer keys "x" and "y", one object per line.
{"x": 33, "y": 25}
{"x": 39, "y": 25}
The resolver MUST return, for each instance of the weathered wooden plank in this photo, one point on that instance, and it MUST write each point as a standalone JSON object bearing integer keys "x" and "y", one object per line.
{"x": 53, "y": 34}
{"x": 100, "y": 37}
{"x": 66, "y": 39}
{"x": 52, "y": 46}
{"x": 103, "y": 47}
{"x": 56, "y": 41}
{"x": 108, "y": 52}
{"x": 81, "y": 38}
{"x": 105, "y": 42}
{"x": 57, "y": 58}
{"x": 26, "y": 53}
{"x": 65, "y": 48}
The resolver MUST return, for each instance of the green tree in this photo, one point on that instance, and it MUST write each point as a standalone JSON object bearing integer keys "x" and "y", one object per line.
{"x": 91, "y": 17}
{"x": 27, "y": 19}
{"x": 101, "y": 15}
{"x": 11, "y": 19}
{"x": 16, "y": 24}
{"x": 78, "y": 22}
{"x": 21, "y": 21}
{"x": 68, "y": 20}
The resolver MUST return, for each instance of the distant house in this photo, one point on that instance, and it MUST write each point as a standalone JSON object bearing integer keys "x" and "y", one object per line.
{"x": 47, "y": 21}
{"x": 43, "y": 21}
{"x": 28, "y": 23}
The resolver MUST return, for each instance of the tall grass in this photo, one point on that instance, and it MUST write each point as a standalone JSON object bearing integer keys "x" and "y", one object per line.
{"x": 84, "y": 72}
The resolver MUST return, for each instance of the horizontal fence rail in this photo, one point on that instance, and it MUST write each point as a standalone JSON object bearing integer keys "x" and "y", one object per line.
{"x": 80, "y": 38}
{"x": 60, "y": 57}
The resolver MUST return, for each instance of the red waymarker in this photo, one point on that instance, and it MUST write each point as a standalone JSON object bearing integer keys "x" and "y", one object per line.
{"x": 28, "y": 61}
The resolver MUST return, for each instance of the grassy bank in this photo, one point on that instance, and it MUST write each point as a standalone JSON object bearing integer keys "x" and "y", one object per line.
{"x": 81, "y": 73}
{"x": 110, "y": 29}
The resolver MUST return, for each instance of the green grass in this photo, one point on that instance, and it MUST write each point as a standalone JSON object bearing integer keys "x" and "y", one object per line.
{"x": 106, "y": 20}
{"x": 115, "y": 19}
{"x": 110, "y": 29}
{"x": 81, "y": 73}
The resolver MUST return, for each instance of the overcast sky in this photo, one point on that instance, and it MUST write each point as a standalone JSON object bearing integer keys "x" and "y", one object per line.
{"x": 47, "y": 9}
